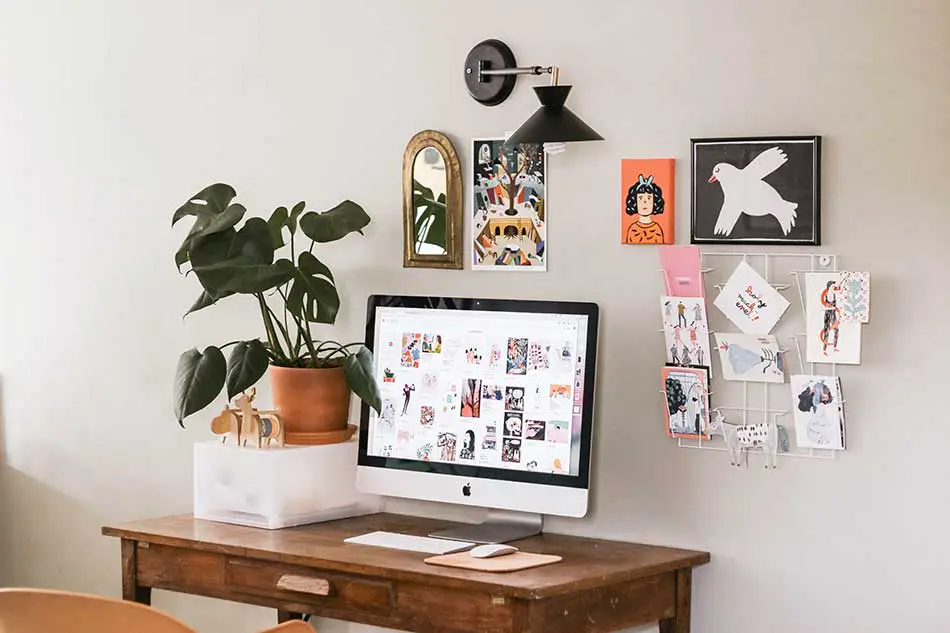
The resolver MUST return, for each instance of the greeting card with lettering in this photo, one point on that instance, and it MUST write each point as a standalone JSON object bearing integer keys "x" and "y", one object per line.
{"x": 750, "y": 302}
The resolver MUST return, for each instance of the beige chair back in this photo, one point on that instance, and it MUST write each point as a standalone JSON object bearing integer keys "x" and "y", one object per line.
{"x": 51, "y": 611}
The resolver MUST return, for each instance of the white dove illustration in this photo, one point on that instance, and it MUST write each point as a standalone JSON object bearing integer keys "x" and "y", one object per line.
{"x": 744, "y": 191}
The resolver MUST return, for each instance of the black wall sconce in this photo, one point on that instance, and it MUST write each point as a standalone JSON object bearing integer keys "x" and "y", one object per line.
{"x": 490, "y": 75}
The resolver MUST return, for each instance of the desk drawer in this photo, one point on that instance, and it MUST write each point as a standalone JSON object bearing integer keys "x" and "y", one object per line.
{"x": 328, "y": 590}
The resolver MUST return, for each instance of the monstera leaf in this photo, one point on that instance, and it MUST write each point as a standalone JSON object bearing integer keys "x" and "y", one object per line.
{"x": 359, "y": 376}
{"x": 198, "y": 380}
{"x": 239, "y": 261}
{"x": 313, "y": 296}
{"x": 213, "y": 212}
{"x": 343, "y": 219}
{"x": 276, "y": 223}
{"x": 206, "y": 299}
{"x": 210, "y": 201}
{"x": 246, "y": 365}
{"x": 429, "y": 211}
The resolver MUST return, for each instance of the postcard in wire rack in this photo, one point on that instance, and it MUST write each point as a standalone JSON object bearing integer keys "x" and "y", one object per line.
{"x": 687, "y": 399}
{"x": 750, "y": 358}
{"x": 831, "y": 339}
{"x": 750, "y": 302}
{"x": 685, "y": 329}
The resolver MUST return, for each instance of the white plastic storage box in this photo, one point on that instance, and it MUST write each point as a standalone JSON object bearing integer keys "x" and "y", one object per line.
{"x": 278, "y": 487}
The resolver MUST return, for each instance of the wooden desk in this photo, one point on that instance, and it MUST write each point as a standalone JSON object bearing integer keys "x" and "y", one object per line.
{"x": 599, "y": 586}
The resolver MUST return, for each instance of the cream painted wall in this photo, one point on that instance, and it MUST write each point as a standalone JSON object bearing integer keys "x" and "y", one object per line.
{"x": 114, "y": 111}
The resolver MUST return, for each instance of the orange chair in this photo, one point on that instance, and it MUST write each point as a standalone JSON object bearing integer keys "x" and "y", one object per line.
{"x": 51, "y": 611}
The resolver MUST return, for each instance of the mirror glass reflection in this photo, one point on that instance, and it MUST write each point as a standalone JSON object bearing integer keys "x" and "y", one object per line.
{"x": 429, "y": 183}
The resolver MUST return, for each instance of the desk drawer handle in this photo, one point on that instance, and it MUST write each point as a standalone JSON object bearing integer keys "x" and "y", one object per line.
{"x": 303, "y": 584}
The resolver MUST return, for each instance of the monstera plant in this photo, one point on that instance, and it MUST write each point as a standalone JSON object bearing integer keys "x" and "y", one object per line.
{"x": 430, "y": 223}
{"x": 269, "y": 262}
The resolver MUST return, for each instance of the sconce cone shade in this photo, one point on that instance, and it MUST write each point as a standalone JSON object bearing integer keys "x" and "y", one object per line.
{"x": 553, "y": 122}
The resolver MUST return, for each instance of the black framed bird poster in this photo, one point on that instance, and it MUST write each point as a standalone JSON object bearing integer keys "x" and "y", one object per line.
{"x": 756, "y": 190}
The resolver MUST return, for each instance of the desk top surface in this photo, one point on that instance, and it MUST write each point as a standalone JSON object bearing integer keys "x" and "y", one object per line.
{"x": 587, "y": 563}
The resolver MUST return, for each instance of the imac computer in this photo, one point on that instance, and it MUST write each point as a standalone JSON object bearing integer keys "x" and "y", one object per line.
{"x": 485, "y": 402}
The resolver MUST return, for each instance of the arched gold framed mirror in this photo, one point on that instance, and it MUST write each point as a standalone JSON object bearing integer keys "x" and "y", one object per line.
{"x": 431, "y": 203}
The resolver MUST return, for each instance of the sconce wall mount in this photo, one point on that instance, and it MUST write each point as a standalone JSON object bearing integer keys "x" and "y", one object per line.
{"x": 491, "y": 72}
{"x": 490, "y": 76}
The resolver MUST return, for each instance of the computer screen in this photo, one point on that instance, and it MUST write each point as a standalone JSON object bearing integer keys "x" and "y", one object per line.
{"x": 485, "y": 388}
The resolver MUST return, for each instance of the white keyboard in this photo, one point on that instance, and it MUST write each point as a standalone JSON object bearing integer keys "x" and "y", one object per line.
{"x": 392, "y": 540}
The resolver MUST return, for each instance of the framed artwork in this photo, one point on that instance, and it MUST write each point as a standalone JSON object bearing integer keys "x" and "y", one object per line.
{"x": 509, "y": 206}
{"x": 647, "y": 201}
{"x": 756, "y": 190}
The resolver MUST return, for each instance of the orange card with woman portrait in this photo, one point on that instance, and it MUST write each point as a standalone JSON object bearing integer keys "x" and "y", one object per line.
{"x": 646, "y": 201}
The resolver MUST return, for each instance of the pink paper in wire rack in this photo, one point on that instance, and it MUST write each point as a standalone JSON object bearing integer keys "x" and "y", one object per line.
{"x": 681, "y": 271}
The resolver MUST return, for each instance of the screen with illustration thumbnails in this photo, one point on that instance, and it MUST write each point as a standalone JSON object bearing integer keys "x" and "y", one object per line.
{"x": 487, "y": 388}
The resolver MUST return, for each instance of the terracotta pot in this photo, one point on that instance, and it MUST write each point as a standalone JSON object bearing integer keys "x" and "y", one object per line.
{"x": 313, "y": 404}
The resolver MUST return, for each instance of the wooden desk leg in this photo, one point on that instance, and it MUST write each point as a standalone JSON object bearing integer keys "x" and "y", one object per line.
{"x": 131, "y": 590}
{"x": 679, "y": 623}
{"x": 286, "y": 616}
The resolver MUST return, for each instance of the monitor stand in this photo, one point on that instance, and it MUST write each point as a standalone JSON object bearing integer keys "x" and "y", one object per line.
{"x": 501, "y": 526}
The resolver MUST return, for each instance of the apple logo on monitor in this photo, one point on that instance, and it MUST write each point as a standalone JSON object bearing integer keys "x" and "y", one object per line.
{"x": 467, "y": 490}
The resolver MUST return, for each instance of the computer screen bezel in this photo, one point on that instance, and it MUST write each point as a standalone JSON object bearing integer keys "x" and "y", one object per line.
{"x": 588, "y": 309}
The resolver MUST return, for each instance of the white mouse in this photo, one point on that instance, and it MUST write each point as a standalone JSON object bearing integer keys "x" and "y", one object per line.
{"x": 492, "y": 550}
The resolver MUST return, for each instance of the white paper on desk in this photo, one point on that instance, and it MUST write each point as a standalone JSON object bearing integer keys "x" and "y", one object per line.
{"x": 750, "y": 302}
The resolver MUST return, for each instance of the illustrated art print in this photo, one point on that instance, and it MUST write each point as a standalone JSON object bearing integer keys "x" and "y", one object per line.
{"x": 756, "y": 190}
{"x": 750, "y": 358}
{"x": 686, "y": 330}
{"x": 856, "y": 291}
{"x": 687, "y": 400}
{"x": 471, "y": 398}
{"x": 411, "y": 350}
{"x": 831, "y": 339}
{"x": 517, "y": 358}
{"x": 509, "y": 206}
{"x": 819, "y": 412}
{"x": 646, "y": 201}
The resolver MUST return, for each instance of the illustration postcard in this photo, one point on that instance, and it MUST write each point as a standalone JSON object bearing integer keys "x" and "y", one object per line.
{"x": 687, "y": 399}
{"x": 750, "y": 302}
{"x": 830, "y": 338}
{"x": 856, "y": 291}
{"x": 819, "y": 412}
{"x": 750, "y": 358}
{"x": 686, "y": 330}
{"x": 509, "y": 206}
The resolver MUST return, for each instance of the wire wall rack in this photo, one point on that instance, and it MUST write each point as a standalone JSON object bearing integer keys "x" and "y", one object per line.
{"x": 759, "y": 402}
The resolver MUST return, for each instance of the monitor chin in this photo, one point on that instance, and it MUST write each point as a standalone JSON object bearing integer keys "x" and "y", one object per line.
{"x": 517, "y": 496}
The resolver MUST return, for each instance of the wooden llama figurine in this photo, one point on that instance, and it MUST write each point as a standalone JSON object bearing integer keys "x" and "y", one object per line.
{"x": 227, "y": 424}
{"x": 263, "y": 425}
